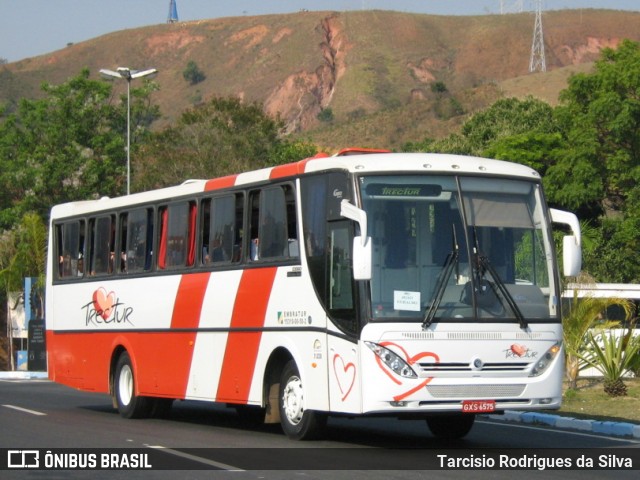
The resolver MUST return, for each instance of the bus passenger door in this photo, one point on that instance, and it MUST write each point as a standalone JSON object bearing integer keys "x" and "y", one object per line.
{"x": 343, "y": 359}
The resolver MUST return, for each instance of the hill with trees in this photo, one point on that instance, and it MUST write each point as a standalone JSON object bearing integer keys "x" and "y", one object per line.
{"x": 280, "y": 88}
{"x": 376, "y": 78}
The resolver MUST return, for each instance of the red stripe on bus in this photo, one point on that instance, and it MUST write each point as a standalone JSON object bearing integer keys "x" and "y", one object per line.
{"x": 188, "y": 305}
{"x": 223, "y": 182}
{"x": 288, "y": 170}
{"x": 179, "y": 346}
{"x": 241, "y": 352}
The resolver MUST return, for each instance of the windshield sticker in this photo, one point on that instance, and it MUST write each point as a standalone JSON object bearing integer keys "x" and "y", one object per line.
{"x": 406, "y": 301}
{"x": 345, "y": 374}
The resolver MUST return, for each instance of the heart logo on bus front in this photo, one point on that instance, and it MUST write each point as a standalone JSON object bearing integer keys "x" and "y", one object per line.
{"x": 345, "y": 375}
{"x": 104, "y": 302}
{"x": 410, "y": 360}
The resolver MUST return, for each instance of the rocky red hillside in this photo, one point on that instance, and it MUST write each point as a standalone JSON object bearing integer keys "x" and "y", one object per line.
{"x": 357, "y": 64}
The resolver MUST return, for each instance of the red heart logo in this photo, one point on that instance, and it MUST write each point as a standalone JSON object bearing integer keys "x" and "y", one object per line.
{"x": 103, "y": 302}
{"x": 410, "y": 360}
{"x": 345, "y": 375}
{"x": 519, "y": 350}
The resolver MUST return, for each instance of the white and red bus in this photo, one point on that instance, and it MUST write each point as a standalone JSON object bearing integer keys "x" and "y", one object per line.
{"x": 366, "y": 283}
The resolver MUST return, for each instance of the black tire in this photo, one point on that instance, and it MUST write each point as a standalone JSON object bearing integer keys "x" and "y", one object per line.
{"x": 129, "y": 404}
{"x": 450, "y": 427}
{"x": 297, "y": 422}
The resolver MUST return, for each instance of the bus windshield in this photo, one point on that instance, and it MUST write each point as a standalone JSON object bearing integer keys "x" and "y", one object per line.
{"x": 459, "y": 249}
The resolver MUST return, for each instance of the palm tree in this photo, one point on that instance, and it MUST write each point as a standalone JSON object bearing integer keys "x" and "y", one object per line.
{"x": 584, "y": 314}
{"x": 613, "y": 355}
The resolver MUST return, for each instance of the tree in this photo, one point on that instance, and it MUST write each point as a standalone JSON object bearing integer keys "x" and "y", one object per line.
{"x": 600, "y": 115}
{"x": 506, "y": 118}
{"x": 510, "y": 129}
{"x": 326, "y": 115}
{"x": 584, "y": 314}
{"x": 24, "y": 253}
{"x": 597, "y": 172}
{"x": 67, "y": 146}
{"x": 220, "y": 137}
{"x": 536, "y": 149}
{"x": 612, "y": 355}
{"x": 193, "y": 74}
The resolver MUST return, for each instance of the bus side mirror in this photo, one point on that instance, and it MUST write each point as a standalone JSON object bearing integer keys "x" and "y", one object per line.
{"x": 571, "y": 244}
{"x": 571, "y": 256}
{"x": 361, "y": 243}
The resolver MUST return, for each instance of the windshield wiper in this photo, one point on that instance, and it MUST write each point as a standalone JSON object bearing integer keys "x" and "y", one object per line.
{"x": 483, "y": 262}
{"x": 450, "y": 262}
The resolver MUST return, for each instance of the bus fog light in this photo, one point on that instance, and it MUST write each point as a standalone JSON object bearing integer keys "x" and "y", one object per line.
{"x": 546, "y": 401}
{"x": 398, "y": 404}
{"x": 393, "y": 361}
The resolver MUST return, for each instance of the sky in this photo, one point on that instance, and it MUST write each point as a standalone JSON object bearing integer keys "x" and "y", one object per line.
{"x": 35, "y": 27}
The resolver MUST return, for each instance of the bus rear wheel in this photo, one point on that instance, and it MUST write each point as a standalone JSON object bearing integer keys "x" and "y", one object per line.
{"x": 297, "y": 422}
{"x": 129, "y": 404}
{"x": 449, "y": 427}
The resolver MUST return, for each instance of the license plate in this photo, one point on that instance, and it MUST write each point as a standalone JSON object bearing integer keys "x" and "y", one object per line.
{"x": 478, "y": 406}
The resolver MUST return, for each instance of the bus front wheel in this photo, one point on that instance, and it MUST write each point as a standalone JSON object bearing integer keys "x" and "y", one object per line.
{"x": 450, "y": 427}
{"x": 297, "y": 422}
{"x": 129, "y": 404}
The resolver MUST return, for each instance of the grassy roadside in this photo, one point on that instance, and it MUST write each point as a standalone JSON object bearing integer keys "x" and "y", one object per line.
{"x": 589, "y": 401}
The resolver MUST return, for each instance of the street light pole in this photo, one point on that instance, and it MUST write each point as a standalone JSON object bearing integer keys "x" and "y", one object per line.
{"x": 128, "y": 74}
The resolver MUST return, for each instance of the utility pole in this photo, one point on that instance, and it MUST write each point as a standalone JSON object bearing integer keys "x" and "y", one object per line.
{"x": 537, "y": 62}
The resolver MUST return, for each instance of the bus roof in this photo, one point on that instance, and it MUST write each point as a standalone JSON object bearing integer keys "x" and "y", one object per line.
{"x": 360, "y": 161}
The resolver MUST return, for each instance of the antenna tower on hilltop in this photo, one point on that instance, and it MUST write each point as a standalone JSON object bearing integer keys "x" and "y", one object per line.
{"x": 514, "y": 6}
{"x": 173, "y": 12}
{"x": 537, "y": 61}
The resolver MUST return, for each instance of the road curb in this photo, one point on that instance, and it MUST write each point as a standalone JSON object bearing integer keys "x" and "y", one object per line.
{"x": 615, "y": 429}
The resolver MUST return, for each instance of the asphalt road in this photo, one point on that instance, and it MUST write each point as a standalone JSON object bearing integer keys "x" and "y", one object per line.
{"x": 199, "y": 438}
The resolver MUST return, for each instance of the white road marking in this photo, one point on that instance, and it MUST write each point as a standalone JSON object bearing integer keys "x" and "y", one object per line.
{"x": 195, "y": 458}
{"x": 25, "y": 410}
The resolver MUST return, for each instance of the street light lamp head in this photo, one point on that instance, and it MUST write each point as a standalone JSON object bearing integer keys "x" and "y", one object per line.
{"x": 124, "y": 72}
{"x": 149, "y": 73}
{"x": 128, "y": 74}
{"x": 109, "y": 74}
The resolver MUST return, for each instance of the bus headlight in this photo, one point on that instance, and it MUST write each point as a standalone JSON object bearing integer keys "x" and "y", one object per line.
{"x": 393, "y": 361}
{"x": 543, "y": 362}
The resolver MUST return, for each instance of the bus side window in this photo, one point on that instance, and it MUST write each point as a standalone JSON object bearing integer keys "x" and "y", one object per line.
{"x": 122, "y": 245}
{"x": 102, "y": 251}
{"x": 238, "y": 235}
{"x": 177, "y": 235}
{"x": 340, "y": 288}
{"x": 138, "y": 233}
{"x": 70, "y": 237}
{"x": 221, "y": 231}
{"x": 292, "y": 228}
{"x": 273, "y": 219}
